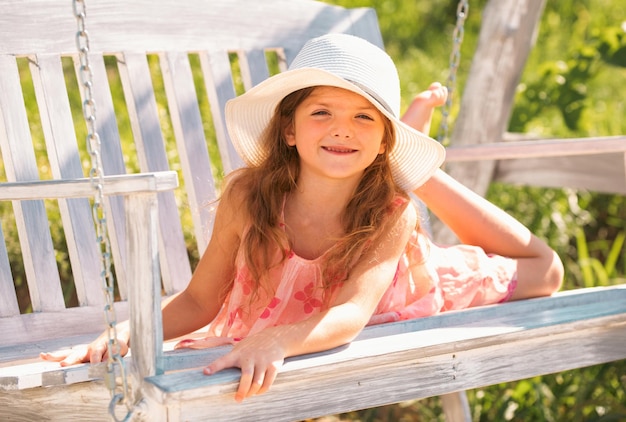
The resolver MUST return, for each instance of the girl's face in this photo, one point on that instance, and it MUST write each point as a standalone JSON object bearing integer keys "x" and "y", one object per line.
{"x": 337, "y": 133}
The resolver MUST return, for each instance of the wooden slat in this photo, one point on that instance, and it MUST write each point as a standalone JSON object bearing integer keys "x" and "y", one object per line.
{"x": 253, "y": 65}
{"x": 151, "y": 151}
{"x": 539, "y": 148}
{"x": 456, "y": 407}
{"x": 43, "y": 334}
{"x": 192, "y": 146}
{"x": 20, "y": 164}
{"x": 112, "y": 162}
{"x": 598, "y": 173}
{"x": 220, "y": 88}
{"x": 62, "y": 152}
{"x": 8, "y": 298}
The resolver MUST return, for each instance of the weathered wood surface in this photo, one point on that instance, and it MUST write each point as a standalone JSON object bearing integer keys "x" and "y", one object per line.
{"x": 597, "y": 164}
{"x": 421, "y": 358}
{"x": 81, "y": 188}
{"x": 386, "y": 364}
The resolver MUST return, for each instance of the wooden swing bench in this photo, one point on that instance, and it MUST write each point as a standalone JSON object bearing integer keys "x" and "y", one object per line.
{"x": 389, "y": 363}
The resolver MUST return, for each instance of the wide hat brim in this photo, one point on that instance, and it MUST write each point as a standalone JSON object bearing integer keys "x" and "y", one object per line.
{"x": 414, "y": 159}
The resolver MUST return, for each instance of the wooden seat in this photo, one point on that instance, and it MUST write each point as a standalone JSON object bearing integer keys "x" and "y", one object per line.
{"x": 173, "y": 67}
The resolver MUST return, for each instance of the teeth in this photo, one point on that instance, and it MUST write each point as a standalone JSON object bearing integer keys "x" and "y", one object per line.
{"x": 338, "y": 149}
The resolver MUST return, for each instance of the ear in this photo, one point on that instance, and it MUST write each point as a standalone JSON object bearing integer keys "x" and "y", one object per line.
{"x": 290, "y": 135}
{"x": 383, "y": 147}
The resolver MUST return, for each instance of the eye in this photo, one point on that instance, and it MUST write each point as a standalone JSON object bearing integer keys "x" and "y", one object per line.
{"x": 365, "y": 117}
{"x": 320, "y": 113}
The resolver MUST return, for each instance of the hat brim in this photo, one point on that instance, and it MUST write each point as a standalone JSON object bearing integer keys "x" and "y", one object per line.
{"x": 414, "y": 159}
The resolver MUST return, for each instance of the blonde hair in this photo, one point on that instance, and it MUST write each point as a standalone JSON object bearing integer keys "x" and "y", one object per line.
{"x": 265, "y": 188}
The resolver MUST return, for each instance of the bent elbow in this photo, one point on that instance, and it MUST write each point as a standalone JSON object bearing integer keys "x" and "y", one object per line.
{"x": 554, "y": 275}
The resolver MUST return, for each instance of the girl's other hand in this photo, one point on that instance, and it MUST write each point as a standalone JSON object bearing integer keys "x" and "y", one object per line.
{"x": 94, "y": 352}
{"x": 259, "y": 357}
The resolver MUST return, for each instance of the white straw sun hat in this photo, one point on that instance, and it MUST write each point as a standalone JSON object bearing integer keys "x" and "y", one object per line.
{"x": 347, "y": 62}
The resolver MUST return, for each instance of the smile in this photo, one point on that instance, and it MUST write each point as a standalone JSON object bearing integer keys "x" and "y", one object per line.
{"x": 339, "y": 149}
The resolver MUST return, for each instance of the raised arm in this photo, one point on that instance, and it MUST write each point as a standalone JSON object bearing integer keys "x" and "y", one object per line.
{"x": 477, "y": 221}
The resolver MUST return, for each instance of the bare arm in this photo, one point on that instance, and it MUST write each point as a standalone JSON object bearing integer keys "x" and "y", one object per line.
{"x": 478, "y": 222}
{"x": 188, "y": 310}
{"x": 261, "y": 355}
{"x": 199, "y": 303}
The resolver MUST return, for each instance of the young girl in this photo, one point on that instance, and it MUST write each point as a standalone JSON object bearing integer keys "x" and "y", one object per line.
{"x": 317, "y": 237}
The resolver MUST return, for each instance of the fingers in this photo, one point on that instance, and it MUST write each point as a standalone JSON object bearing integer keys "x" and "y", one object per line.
{"x": 246, "y": 383}
{"x": 94, "y": 353}
{"x": 255, "y": 378}
{"x": 67, "y": 357}
{"x": 56, "y": 356}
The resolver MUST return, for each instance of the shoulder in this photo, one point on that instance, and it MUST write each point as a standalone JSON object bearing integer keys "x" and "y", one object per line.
{"x": 404, "y": 212}
{"x": 232, "y": 210}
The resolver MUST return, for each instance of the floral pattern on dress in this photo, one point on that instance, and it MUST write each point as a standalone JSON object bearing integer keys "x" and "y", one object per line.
{"x": 306, "y": 296}
{"x": 429, "y": 279}
{"x": 268, "y": 310}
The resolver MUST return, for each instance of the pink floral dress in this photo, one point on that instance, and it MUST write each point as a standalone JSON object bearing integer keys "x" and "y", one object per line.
{"x": 429, "y": 279}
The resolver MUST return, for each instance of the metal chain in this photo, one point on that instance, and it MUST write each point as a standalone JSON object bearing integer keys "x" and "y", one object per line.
{"x": 119, "y": 394}
{"x": 455, "y": 58}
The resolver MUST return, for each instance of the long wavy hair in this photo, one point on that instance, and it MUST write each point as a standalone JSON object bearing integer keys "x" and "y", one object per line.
{"x": 266, "y": 186}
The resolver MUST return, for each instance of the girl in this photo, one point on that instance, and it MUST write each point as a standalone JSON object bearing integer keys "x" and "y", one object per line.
{"x": 317, "y": 237}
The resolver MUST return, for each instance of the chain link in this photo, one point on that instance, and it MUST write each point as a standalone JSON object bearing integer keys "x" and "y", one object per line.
{"x": 119, "y": 394}
{"x": 455, "y": 58}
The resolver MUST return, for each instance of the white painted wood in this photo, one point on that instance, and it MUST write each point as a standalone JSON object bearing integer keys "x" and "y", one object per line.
{"x": 220, "y": 88}
{"x": 78, "y": 402}
{"x": 537, "y": 148}
{"x": 595, "y": 163}
{"x": 8, "y": 298}
{"x": 31, "y": 219}
{"x": 456, "y": 407}
{"x": 138, "y": 26}
{"x": 399, "y": 361}
{"x": 152, "y": 155}
{"x": 419, "y": 358}
{"x": 64, "y": 159}
{"x": 189, "y": 132}
{"x": 599, "y": 173}
{"x": 146, "y": 335}
{"x": 112, "y": 163}
{"x": 76, "y": 188}
{"x": 508, "y": 31}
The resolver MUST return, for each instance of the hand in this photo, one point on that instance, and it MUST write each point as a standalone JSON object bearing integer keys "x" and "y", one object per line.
{"x": 259, "y": 357}
{"x": 95, "y": 352}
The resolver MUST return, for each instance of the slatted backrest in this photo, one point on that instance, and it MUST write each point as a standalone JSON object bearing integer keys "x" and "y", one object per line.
{"x": 174, "y": 65}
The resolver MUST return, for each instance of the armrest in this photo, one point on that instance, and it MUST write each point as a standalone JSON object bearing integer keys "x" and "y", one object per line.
{"x": 76, "y": 188}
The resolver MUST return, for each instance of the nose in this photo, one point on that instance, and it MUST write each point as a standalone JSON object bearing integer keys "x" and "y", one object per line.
{"x": 342, "y": 129}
